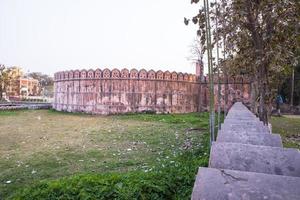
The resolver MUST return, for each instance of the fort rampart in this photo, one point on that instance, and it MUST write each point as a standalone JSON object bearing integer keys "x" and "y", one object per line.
{"x": 108, "y": 92}
{"x": 113, "y": 91}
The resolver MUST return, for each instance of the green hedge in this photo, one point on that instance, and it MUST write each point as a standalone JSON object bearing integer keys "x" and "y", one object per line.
{"x": 167, "y": 180}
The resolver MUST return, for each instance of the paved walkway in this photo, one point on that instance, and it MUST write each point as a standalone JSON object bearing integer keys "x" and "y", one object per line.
{"x": 247, "y": 162}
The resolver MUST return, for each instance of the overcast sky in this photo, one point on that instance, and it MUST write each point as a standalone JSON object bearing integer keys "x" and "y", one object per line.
{"x": 56, "y": 35}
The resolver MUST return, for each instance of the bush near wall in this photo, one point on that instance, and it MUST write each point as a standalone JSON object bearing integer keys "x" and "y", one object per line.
{"x": 167, "y": 180}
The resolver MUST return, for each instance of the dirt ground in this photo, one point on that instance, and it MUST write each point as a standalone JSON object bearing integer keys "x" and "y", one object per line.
{"x": 43, "y": 144}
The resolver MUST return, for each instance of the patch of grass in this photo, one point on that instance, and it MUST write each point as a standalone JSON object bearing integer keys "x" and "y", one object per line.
{"x": 289, "y": 129}
{"x": 166, "y": 180}
{"x": 191, "y": 118}
{"x": 9, "y": 113}
{"x": 46, "y": 145}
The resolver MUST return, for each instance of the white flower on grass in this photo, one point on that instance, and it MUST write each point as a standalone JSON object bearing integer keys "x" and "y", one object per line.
{"x": 8, "y": 182}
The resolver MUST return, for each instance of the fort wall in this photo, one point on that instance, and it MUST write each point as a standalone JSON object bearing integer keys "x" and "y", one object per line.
{"x": 113, "y": 91}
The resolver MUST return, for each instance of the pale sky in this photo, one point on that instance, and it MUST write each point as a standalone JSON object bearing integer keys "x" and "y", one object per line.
{"x": 56, "y": 35}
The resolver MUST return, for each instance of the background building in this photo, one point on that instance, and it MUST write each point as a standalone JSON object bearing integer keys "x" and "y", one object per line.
{"x": 21, "y": 85}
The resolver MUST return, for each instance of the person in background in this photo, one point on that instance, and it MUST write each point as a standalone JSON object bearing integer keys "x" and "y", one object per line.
{"x": 279, "y": 101}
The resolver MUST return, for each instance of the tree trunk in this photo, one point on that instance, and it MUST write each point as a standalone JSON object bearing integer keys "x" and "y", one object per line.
{"x": 1, "y": 89}
{"x": 293, "y": 87}
{"x": 263, "y": 82}
{"x": 254, "y": 95}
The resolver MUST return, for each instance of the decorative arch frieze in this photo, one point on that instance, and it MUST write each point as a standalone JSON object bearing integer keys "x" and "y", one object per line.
{"x": 98, "y": 74}
{"x": 142, "y": 74}
{"x": 174, "y": 76}
{"x": 151, "y": 75}
{"x": 124, "y": 73}
{"x": 106, "y": 73}
{"x": 83, "y": 74}
{"x": 77, "y": 74}
{"x": 159, "y": 75}
{"x": 134, "y": 74}
{"x": 115, "y": 73}
{"x": 167, "y": 75}
{"x": 90, "y": 74}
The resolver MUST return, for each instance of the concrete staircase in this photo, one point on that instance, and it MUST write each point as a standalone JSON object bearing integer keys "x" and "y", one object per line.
{"x": 248, "y": 162}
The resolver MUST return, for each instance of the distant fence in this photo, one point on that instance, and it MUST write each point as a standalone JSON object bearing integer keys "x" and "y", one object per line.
{"x": 24, "y": 105}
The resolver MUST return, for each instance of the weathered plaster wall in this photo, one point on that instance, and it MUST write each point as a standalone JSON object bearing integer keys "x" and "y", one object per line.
{"x": 109, "y": 92}
{"x": 113, "y": 91}
{"x": 238, "y": 89}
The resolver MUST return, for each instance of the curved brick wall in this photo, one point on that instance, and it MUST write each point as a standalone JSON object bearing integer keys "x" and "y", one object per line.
{"x": 113, "y": 91}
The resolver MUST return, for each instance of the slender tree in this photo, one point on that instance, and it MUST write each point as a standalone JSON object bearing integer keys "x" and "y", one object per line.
{"x": 260, "y": 41}
{"x": 204, "y": 33}
{"x": 4, "y": 79}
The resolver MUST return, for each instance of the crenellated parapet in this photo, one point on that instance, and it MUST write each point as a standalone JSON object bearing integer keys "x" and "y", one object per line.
{"x": 124, "y": 74}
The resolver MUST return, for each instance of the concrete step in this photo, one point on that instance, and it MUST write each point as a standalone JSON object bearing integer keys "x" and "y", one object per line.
{"x": 239, "y": 121}
{"x": 244, "y": 124}
{"x": 216, "y": 184}
{"x": 253, "y": 158}
{"x": 242, "y": 132}
{"x": 241, "y": 117}
{"x": 273, "y": 140}
{"x": 240, "y": 127}
{"x": 240, "y": 114}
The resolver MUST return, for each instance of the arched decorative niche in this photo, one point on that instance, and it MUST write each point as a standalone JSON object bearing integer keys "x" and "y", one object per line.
{"x": 62, "y": 76}
{"x": 98, "y": 73}
{"x": 180, "y": 76}
{"x": 71, "y": 74}
{"x": 90, "y": 74}
{"x": 143, "y": 74}
{"x": 186, "y": 77}
{"x": 151, "y": 74}
{"x": 134, "y": 74}
{"x": 174, "y": 76}
{"x": 124, "y": 73}
{"x": 115, "y": 73}
{"x": 159, "y": 75}
{"x": 83, "y": 74}
{"x": 106, "y": 73}
{"x": 76, "y": 74}
{"x": 167, "y": 75}
{"x": 66, "y": 75}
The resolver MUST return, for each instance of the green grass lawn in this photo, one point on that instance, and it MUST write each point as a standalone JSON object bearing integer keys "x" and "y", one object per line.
{"x": 289, "y": 129}
{"x": 61, "y": 148}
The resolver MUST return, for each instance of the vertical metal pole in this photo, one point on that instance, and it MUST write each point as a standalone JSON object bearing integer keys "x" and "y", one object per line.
{"x": 208, "y": 64}
{"x": 218, "y": 67}
{"x": 210, "y": 70}
{"x": 225, "y": 77}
